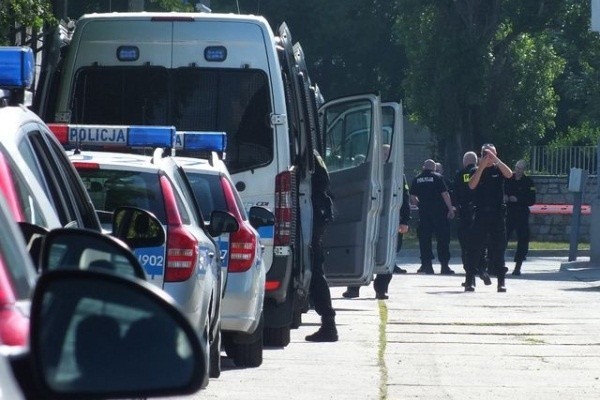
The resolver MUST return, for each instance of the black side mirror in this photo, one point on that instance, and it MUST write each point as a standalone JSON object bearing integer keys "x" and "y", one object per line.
{"x": 260, "y": 216}
{"x": 222, "y": 222}
{"x": 33, "y": 236}
{"x": 137, "y": 227}
{"x": 97, "y": 335}
{"x": 84, "y": 249}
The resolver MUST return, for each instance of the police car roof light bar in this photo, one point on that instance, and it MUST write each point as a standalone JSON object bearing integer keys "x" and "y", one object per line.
{"x": 204, "y": 141}
{"x": 114, "y": 135}
{"x": 16, "y": 71}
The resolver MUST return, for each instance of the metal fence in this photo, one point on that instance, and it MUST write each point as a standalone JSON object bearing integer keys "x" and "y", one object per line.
{"x": 546, "y": 160}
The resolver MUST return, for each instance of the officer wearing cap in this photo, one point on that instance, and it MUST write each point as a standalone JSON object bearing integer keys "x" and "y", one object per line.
{"x": 430, "y": 193}
{"x": 489, "y": 223}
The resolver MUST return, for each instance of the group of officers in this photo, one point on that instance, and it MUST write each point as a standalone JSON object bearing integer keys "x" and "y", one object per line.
{"x": 490, "y": 200}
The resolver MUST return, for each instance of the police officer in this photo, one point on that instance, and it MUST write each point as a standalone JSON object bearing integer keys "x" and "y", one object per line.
{"x": 430, "y": 193}
{"x": 520, "y": 194}
{"x": 319, "y": 289}
{"x": 381, "y": 282}
{"x": 489, "y": 224}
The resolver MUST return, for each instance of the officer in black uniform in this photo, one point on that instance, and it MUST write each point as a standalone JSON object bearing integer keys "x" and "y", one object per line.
{"x": 381, "y": 282}
{"x": 430, "y": 193}
{"x": 520, "y": 194}
{"x": 463, "y": 196}
{"x": 489, "y": 224}
{"x": 319, "y": 288}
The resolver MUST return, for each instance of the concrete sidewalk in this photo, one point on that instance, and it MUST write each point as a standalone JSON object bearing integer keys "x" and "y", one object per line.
{"x": 431, "y": 340}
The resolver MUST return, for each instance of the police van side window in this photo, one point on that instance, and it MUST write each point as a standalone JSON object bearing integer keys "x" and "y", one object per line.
{"x": 348, "y": 135}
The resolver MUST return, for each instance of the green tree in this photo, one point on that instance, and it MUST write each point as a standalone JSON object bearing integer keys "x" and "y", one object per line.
{"x": 481, "y": 71}
{"x": 348, "y": 43}
{"x": 28, "y": 13}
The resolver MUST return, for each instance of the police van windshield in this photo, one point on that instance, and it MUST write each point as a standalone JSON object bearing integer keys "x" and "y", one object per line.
{"x": 200, "y": 99}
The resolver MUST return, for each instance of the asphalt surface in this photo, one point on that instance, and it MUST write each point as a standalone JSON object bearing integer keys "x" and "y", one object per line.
{"x": 431, "y": 340}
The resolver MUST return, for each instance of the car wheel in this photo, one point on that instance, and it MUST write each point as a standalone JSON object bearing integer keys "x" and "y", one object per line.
{"x": 276, "y": 337}
{"x": 215, "y": 355}
{"x": 249, "y": 348}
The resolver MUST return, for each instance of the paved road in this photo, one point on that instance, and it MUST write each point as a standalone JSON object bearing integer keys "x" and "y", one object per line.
{"x": 430, "y": 340}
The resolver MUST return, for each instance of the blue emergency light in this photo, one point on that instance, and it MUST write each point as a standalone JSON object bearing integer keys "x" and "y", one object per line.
{"x": 16, "y": 67}
{"x": 114, "y": 135}
{"x": 205, "y": 141}
{"x": 128, "y": 53}
{"x": 215, "y": 53}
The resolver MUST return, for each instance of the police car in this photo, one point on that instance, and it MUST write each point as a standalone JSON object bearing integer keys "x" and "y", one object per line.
{"x": 241, "y": 251}
{"x": 34, "y": 169}
{"x": 187, "y": 267}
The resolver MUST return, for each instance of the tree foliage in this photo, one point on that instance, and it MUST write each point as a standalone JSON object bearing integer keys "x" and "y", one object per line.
{"x": 28, "y": 13}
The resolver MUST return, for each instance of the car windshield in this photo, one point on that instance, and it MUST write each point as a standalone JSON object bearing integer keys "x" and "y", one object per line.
{"x": 191, "y": 99}
{"x": 109, "y": 189}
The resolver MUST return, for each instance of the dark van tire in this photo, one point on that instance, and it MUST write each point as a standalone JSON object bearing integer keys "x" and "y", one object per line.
{"x": 276, "y": 337}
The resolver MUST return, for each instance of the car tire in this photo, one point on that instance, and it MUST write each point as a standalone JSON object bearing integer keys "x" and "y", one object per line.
{"x": 249, "y": 348}
{"x": 276, "y": 337}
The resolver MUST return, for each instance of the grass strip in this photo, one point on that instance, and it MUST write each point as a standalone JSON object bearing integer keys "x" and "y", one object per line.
{"x": 383, "y": 371}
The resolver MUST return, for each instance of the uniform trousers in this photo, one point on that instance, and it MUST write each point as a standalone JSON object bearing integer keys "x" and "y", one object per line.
{"x": 319, "y": 288}
{"x": 517, "y": 220}
{"x": 489, "y": 230}
{"x": 430, "y": 223}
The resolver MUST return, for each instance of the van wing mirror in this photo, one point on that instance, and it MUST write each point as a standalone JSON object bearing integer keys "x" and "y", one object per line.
{"x": 84, "y": 249}
{"x": 138, "y": 228}
{"x": 97, "y": 335}
{"x": 222, "y": 222}
{"x": 260, "y": 216}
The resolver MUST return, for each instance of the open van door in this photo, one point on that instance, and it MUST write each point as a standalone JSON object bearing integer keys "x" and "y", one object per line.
{"x": 393, "y": 171}
{"x": 352, "y": 135}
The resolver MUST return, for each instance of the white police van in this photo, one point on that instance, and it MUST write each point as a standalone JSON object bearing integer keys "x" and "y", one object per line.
{"x": 231, "y": 73}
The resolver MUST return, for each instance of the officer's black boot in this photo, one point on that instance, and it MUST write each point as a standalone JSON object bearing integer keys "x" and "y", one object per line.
{"x": 446, "y": 270}
{"x": 326, "y": 333}
{"x": 517, "y": 270}
{"x": 351, "y": 292}
{"x": 501, "y": 281}
{"x": 470, "y": 282}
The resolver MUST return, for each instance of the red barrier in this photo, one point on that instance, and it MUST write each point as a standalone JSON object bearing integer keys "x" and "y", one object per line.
{"x": 549, "y": 209}
{"x": 559, "y": 209}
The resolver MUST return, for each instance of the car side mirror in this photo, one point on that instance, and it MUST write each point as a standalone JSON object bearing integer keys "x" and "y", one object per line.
{"x": 137, "y": 227}
{"x": 96, "y": 335}
{"x": 84, "y": 249}
{"x": 34, "y": 236}
{"x": 222, "y": 222}
{"x": 260, "y": 216}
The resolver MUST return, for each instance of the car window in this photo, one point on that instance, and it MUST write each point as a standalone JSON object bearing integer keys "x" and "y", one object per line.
{"x": 208, "y": 192}
{"x": 109, "y": 189}
{"x": 40, "y": 160}
{"x": 11, "y": 260}
{"x": 182, "y": 205}
{"x": 29, "y": 205}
